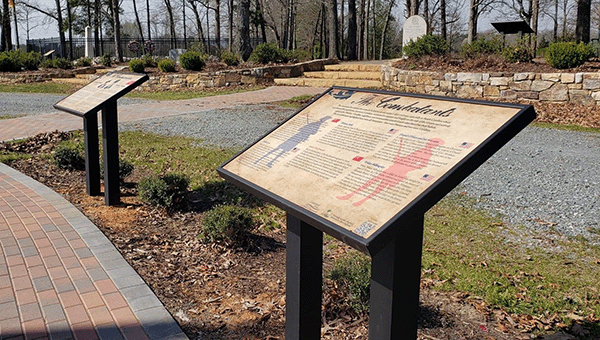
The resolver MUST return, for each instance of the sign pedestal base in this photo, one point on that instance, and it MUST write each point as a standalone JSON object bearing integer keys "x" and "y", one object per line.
{"x": 304, "y": 280}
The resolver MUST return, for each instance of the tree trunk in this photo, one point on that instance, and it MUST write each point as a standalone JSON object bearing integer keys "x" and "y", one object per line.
{"x": 263, "y": 30}
{"x": 555, "y": 31}
{"x": 352, "y": 30}
{"x": 148, "y": 18}
{"x": 61, "y": 33}
{"x": 70, "y": 27}
{"x": 217, "y": 10}
{"x": 385, "y": 27}
{"x": 198, "y": 22}
{"x": 361, "y": 28}
{"x": 535, "y": 9}
{"x": 16, "y": 27}
{"x": 171, "y": 23}
{"x": 582, "y": 29}
{"x": 244, "y": 48}
{"x": 413, "y": 8}
{"x": 473, "y": 14}
{"x": 230, "y": 24}
{"x": 341, "y": 31}
{"x": 137, "y": 20}
{"x": 97, "y": 45}
{"x": 443, "y": 22}
{"x": 332, "y": 22}
{"x": 117, "y": 30}
{"x": 426, "y": 15}
{"x": 365, "y": 46}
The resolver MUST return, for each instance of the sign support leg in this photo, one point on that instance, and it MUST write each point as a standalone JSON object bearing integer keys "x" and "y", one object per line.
{"x": 395, "y": 283}
{"x": 92, "y": 154}
{"x": 110, "y": 142}
{"x": 304, "y": 279}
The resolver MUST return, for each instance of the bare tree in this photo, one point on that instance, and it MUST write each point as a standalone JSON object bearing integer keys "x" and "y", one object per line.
{"x": 332, "y": 29}
{"x": 117, "y": 30}
{"x": 194, "y": 6}
{"x": 385, "y": 27}
{"x": 244, "y": 47}
{"x": 478, "y": 7}
{"x": 56, "y": 16}
{"x": 137, "y": 20}
{"x": 352, "y": 30}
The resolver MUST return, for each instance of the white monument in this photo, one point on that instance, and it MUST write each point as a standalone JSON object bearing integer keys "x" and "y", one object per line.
{"x": 414, "y": 28}
{"x": 89, "y": 46}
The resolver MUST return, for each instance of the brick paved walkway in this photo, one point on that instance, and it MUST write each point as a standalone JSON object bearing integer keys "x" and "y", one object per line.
{"x": 60, "y": 277}
{"x": 23, "y": 127}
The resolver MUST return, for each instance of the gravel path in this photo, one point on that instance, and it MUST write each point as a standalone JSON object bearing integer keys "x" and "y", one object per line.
{"x": 19, "y": 104}
{"x": 543, "y": 179}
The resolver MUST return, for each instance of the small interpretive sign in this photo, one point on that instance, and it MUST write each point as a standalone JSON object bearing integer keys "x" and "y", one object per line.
{"x": 91, "y": 97}
{"x": 354, "y": 160}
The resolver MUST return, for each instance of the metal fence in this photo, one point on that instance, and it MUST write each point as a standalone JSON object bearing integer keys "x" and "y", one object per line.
{"x": 107, "y": 46}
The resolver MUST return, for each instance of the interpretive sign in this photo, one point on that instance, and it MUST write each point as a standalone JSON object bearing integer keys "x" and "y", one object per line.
{"x": 101, "y": 94}
{"x": 91, "y": 97}
{"x": 414, "y": 27}
{"x": 356, "y": 160}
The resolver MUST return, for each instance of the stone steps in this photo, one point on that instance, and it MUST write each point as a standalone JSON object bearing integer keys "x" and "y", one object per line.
{"x": 355, "y": 74}
{"x": 315, "y": 82}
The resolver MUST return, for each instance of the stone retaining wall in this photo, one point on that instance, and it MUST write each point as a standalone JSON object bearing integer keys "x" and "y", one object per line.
{"x": 18, "y": 78}
{"x": 257, "y": 75}
{"x": 577, "y": 88}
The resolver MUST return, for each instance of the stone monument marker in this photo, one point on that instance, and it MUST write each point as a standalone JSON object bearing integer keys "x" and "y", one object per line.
{"x": 414, "y": 28}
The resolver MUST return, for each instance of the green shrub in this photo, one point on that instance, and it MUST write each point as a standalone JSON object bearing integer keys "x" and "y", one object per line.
{"x": 62, "y": 63}
{"x": 164, "y": 191}
{"x": 267, "y": 53}
{"x": 47, "y": 63}
{"x": 481, "y": 47}
{"x": 83, "y": 62}
{"x": 192, "y": 60}
{"x": 149, "y": 60}
{"x": 230, "y": 58}
{"x": 298, "y": 55}
{"x": 426, "y": 45}
{"x": 28, "y": 60}
{"x": 568, "y": 54}
{"x": 166, "y": 65}
{"x": 226, "y": 223}
{"x": 69, "y": 158}
{"x": 106, "y": 60}
{"x": 136, "y": 65}
{"x": 125, "y": 169}
{"x": 8, "y": 63}
{"x": 352, "y": 273}
{"x": 520, "y": 51}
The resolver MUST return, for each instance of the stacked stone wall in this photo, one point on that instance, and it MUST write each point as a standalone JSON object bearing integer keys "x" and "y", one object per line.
{"x": 577, "y": 88}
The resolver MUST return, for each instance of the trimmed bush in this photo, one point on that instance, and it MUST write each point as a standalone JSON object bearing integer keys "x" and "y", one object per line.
{"x": 69, "y": 158}
{"x": 426, "y": 45}
{"x": 106, "y": 60}
{"x": 47, "y": 63}
{"x": 568, "y": 54}
{"x": 83, "y": 62}
{"x": 149, "y": 60}
{"x": 8, "y": 64}
{"x": 481, "y": 47}
{"x": 166, "y": 65}
{"x": 164, "y": 191}
{"x": 520, "y": 51}
{"x": 62, "y": 63}
{"x": 14, "y": 61}
{"x": 136, "y": 65}
{"x": 125, "y": 169}
{"x": 267, "y": 53}
{"x": 230, "y": 58}
{"x": 352, "y": 273}
{"x": 226, "y": 223}
{"x": 192, "y": 60}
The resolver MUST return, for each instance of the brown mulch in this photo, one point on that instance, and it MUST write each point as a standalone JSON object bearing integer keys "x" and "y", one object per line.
{"x": 490, "y": 63}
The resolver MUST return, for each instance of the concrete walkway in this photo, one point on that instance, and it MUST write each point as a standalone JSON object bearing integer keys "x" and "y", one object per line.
{"x": 60, "y": 277}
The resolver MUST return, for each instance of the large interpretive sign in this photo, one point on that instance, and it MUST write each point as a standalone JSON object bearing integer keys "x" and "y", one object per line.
{"x": 91, "y": 97}
{"x": 355, "y": 160}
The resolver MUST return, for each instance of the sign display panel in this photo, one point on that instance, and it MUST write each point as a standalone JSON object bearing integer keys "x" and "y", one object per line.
{"x": 356, "y": 158}
{"x": 112, "y": 85}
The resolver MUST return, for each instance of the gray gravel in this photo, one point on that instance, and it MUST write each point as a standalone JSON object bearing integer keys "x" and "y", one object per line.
{"x": 19, "y": 104}
{"x": 544, "y": 179}
{"x": 233, "y": 127}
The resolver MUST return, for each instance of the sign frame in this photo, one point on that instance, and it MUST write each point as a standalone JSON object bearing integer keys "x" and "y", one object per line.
{"x": 418, "y": 206}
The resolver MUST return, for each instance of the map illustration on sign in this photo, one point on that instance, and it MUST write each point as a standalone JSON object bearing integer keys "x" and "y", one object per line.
{"x": 109, "y": 86}
{"x": 356, "y": 158}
